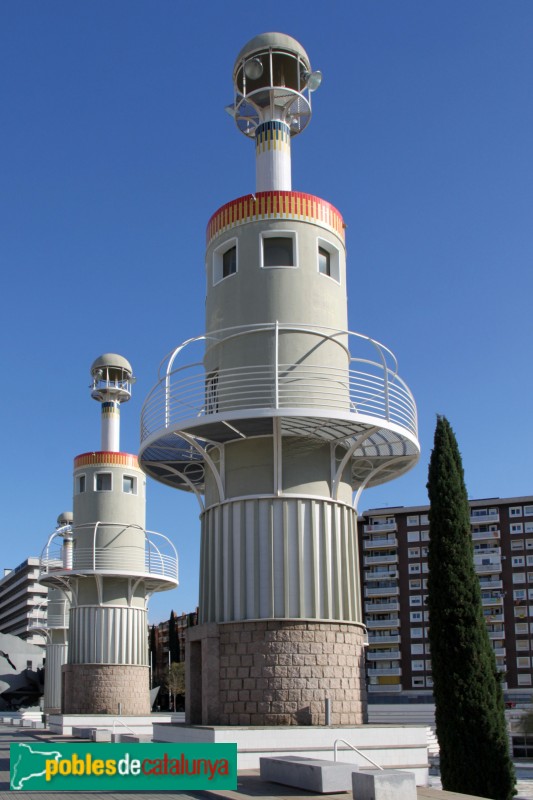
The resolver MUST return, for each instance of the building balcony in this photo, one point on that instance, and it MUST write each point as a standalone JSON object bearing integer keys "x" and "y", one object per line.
{"x": 496, "y": 634}
{"x": 381, "y": 608}
{"x": 491, "y": 618}
{"x": 382, "y": 591}
{"x": 382, "y": 623}
{"x": 483, "y": 518}
{"x": 381, "y": 527}
{"x": 487, "y": 583}
{"x": 492, "y": 601}
{"x": 378, "y": 542}
{"x": 374, "y": 640}
{"x": 383, "y": 655}
{"x": 384, "y": 672}
{"x": 384, "y": 688}
{"x": 368, "y": 561}
{"x": 380, "y": 575}
{"x": 488, "y": 568}
{"x": 480, "y": 536}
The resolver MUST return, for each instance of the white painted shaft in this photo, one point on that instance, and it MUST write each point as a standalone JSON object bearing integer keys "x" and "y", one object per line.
{"x": 110, "y": 441}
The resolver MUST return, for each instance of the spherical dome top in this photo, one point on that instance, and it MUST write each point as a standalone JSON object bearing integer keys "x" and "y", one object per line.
{"x": 111, "y": 361}
{"x": 278, "y": 41}
{"x": 65, "y": 518}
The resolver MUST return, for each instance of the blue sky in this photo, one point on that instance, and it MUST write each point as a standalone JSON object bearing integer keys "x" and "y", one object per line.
{"x": 115, "y": 151}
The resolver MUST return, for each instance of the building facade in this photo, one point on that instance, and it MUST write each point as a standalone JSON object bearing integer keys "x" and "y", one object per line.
{"x": 23, "y": 601}
{"x": 394, "y": 545}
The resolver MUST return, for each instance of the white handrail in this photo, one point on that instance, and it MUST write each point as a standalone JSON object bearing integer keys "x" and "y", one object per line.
{"x": 359, "y": 753}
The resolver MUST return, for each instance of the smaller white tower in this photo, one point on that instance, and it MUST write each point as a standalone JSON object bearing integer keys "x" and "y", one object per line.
{"x": 110, "y": 563}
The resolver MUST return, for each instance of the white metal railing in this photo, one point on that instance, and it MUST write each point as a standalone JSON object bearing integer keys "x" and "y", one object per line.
{"x": 367, "y": 386}
{"x": 155, "y": 555}
{"x": 359, "y": 753}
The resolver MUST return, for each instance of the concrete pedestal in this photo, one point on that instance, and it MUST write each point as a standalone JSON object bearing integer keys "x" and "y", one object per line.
{"x": 105, "y": 689}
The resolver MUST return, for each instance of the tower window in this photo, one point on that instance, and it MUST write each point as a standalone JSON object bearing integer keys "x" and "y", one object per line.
{"x": 328, "y": 260}
{"x": 211, "y": 393}
{"x": 102, "y": 482}
{"x": 129, "y": 484}
{"x": 225, "y": 260}
{"x": 324, "y": 261}
{"x": 80, "y": 484}
{"x": 278, "y": 249}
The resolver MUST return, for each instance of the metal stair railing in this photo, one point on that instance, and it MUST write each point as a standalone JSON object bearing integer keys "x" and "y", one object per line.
{"x": 359, "y": 753}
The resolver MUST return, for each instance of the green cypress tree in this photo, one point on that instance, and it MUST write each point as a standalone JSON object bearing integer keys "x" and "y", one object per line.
{"x": 469, "y": 706}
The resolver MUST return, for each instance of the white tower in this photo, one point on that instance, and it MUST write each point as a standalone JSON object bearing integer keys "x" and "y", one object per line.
{"x": 111, "y": 565}
{"x": 286, "y": 416}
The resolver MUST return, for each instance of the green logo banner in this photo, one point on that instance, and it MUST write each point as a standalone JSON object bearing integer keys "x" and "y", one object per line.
{"x": 103, "y": 767}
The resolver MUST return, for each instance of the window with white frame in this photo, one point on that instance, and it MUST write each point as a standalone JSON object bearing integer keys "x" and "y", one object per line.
{"x": 424, "y": 535}
{"x": 417, "y": 665}
{"x": 519, "y": 577}
{"x": 412, "y": 520}
{"x": 428, "y": 665}
{"x": 413, "y": 536}
{"x": 424, "y": 519}
{"x": 522, "y": 644}
{"x": 414, "y": 569}
{"x": 528, "y": 511}
{"x": 519, "y": 594}
{"x": 415, "y": 616}
{"x": 520, "y": 628}
{"x": 429, "y": 681}
{"x": 278, "y": 249}
{"x": 103, "y": 482}
{"x": 517, "y": 527}
{"x": 328, "y": 260}
{"x": 518, "y": 561}
{"x": 417, "y": 633}
{"x": 415, "y": 600}
{"x": 413, "y": 552}
{"x": 415, "y": 583}
{"x": 225, "y": 261}
{"x": 517, "y": 544}
{"x": 418, "y": 682}
{"x": 515, "y": 511}
{"x": 520, "y": 612}
{"x": 424, "y": 552}
{"x": 417, "y": 649}
{"x": 528, "y": 527}
{"x": 523, "y": 662}
{"x": 425, "y": 567}
{"x": 530, "y": 594}
{"x": 523, "y": 679}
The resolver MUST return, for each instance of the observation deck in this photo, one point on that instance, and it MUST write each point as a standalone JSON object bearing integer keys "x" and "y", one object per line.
{"x": 158, "y": 571}
{"x": 364, "y": 409}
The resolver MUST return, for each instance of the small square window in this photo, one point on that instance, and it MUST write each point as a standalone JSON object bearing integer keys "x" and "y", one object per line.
{"x": 523, "y": 662}
{"x": 278, "y": 250}
{"x": 515, "y": 511}
{"x": 418, "y": 683}
{"x": 517, "y": 527}
{"x": 417, "y": 665}
{"x": 528, "y": 511}
{"x": 80, "y": 484}
{"x": 413, "y": 552}
{"x": 413, "y": 520}
{"x": 517, "y": 544}
{"x": 413, "y": 536}
{"x": 417, "y": 649}
{"x": 129, "y": 484}
{"x": 415, "y": 600}
{"x": 414, "y": 569}
{"x": 523, "y": 680}
{"x": 103, "y": 482}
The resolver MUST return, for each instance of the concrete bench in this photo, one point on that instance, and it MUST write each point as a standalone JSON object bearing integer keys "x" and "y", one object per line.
{"x": 386, "y": 784}
{"x": 315, "y": 775}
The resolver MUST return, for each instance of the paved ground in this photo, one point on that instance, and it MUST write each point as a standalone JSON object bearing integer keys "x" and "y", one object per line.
{"x": 249, "y": 785}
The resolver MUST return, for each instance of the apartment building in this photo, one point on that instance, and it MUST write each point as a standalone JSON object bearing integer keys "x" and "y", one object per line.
{"x": 23, "y": 602}
{"x": 394, "y": 546}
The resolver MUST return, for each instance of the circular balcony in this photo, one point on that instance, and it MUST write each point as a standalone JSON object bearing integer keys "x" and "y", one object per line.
{"x": 156, "y": 563}
{"x": 356, "y": 401}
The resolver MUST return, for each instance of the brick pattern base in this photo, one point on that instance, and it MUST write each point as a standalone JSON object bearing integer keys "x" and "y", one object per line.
{"x": 280, "y": 673}
{"x": 99, "y": 688}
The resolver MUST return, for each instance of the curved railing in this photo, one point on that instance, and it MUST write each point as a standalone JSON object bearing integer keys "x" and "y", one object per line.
{"x": 368, "y": 386}
{"x": 156, "y": 556}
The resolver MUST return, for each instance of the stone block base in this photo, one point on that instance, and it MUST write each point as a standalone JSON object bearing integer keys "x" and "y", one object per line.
{"x": 317, "y": 776}
{"x": 105, "y": 689}
{"x": 387, "y": 784}
{"x": 275, "y": 672}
